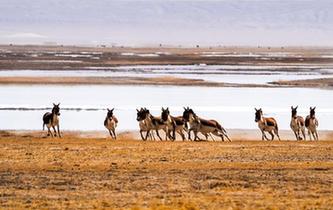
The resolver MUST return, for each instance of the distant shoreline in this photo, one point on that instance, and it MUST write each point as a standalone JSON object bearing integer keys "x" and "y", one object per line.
{"x": 326, "y": 83}
{"x": 164, "y": 81}
{"x": 35, "y": 57}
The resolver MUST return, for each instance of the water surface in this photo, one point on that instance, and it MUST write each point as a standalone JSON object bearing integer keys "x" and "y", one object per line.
{"x": 218, "y": 73}
{"x": 233, "y": 107}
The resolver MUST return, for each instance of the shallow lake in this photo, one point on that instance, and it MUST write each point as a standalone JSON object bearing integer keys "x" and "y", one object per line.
{"x": 233, "y": 107}
{"x": 218, "y": 73}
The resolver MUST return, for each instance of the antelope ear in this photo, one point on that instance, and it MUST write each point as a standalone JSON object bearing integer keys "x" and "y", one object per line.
{"x": 58, "y": 104}
{"x": 162, "y": 109}
{"x": 256, "y": 109}
{"x": 310, "y": 107}
{"x": 314, "y": 108}
{"x": 108, "y": 109}
{"x": 54, "y": 104}
{"x": 137, "y": 110}
{"x": 112, "y": 109}
{"x": 292, "y": 107}
{"x": 167, "y": 108}
{"x": 296, "y": 107}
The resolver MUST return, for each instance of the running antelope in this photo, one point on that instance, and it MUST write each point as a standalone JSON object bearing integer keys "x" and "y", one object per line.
{"x": 297, "y": 124}
{"x": 206, "y": 127}
{"x": 267, "y": 124}
{"x": 174, "y": 124}
{"x": 51, "y": 119}
{"x": 110, "y": 123}
{"x": 151, "y": 123}
{"x": 311, "y": 123}
{"x": 141, "y": 116}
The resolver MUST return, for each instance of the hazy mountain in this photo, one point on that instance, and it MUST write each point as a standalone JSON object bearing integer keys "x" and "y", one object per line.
{"x": 184, "y": 22}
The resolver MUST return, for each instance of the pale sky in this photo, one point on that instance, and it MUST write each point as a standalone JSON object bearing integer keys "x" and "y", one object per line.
{"x": 150, "y": 22}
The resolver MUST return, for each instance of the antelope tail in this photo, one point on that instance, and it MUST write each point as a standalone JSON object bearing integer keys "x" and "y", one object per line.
{"x": 220, "y": 128}
{"x": 276, "y": 127}
{"x": 224, "y": 132}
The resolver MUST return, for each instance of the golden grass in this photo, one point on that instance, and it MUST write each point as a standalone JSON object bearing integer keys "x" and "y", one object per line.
{"x": 73, "y": 172}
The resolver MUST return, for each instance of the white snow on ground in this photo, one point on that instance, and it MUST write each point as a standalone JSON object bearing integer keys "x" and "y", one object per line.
{"x": 147, "y": 55}
{"x": 162, "y": 53}
{"x": 73, "y": 55}
{"x": 140, "y": 54}
{"x": 49, "y": 61}
{"x": 263, "y": 55}
{"x": 128, "y": 54}
{"x": 207, "y": 68}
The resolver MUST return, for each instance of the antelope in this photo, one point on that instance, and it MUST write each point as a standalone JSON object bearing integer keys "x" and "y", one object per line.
{"x": 152, "y": 123}
{"x": 206, "y": 127}
{"x": 297, "y": 124}
{"x": 174, "y": 124}
{"x": 143, "y": 124}
{"x": 110, "y": 123}
{"x": 52, "y": 120}
{"x": 311, "y": 123}
{"x": 267, "y": 124}
{"x": 194, "y": 125}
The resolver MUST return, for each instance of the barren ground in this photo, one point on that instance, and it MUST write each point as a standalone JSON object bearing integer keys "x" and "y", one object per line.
{"x": 20, "y": 57}
{"x": 88, "y": 173}
{"x": 59, "y": 57}
{"x": 318, "y": 83}
{"x": 165, "y": 80}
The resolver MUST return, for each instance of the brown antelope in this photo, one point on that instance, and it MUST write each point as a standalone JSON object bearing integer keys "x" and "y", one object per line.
{"x": 152, "y": 123}
{"x": 194, "y": 125}
{"x": 52, "y": 120}
{"x": 311, "y": 123}
{"x": 297, "y": 124}
{"x": 206, "y": 127}
{"x": 267, "y": 124}
{"x": 173, "y": 124}
{"x": 141, "y": 116}
{"x": 110, "y": 123}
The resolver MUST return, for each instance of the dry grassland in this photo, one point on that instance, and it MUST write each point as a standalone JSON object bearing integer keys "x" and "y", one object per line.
{"x": 87, "y": 173}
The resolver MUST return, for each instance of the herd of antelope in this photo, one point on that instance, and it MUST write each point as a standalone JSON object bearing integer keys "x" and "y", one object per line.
{"x": 297, "y": 124}
{"x": 180, "y": 124}
{"x": 190, "y": 121}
